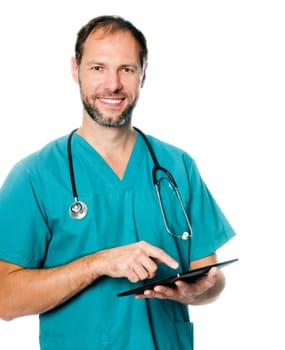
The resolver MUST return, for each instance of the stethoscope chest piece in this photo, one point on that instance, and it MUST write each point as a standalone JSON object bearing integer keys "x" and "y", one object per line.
{"x": 78, "y": 210}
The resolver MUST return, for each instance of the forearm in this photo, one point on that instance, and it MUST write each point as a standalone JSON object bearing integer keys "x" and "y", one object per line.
{"x": 26, "y": 291}
{"x": 34, "y": 291}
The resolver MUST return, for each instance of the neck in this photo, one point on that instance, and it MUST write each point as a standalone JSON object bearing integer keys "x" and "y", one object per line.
{"x": 115, "y": 145}
{"x": 104, "y": 137}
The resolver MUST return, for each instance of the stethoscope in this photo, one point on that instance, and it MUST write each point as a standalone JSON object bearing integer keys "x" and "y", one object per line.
{"x": 79, "y": 209}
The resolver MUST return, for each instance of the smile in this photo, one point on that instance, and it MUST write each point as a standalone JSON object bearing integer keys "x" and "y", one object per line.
{"x": 111, "y": 101}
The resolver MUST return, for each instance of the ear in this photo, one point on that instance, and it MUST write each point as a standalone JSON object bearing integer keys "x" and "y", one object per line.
{"x": 74, "y": 69}
{"x": 143, "y": 75}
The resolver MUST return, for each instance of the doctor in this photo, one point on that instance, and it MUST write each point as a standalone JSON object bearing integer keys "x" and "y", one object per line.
{"x": 67, "y": 263}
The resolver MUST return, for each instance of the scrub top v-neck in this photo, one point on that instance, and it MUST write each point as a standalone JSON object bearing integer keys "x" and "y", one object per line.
{"x": 104, "y": 169}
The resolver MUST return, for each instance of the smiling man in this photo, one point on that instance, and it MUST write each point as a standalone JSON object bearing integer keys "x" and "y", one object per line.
{"x": 111, "y": 228}
{"x": 109, "y": 83}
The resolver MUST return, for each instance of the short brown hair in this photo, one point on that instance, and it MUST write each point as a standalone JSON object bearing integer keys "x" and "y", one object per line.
{"x": 111, "y": 24}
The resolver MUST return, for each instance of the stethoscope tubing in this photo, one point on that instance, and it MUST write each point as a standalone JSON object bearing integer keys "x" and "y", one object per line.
{"x": 71, "y": 167}
{"x": 78, "y": 209}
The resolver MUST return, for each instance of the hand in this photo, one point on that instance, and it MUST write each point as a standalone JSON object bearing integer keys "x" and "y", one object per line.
{"x": 137, "y": 261}
{"x": 185, "y": 293}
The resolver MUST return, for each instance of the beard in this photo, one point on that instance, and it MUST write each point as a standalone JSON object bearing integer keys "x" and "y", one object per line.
{"x": 104, "y": 120}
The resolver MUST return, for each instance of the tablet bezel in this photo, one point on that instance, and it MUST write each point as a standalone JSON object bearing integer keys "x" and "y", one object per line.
{"x": 189, "y": 276}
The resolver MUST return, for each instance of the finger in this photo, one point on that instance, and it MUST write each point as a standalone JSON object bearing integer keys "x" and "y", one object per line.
{"x": 141, "y": 271}
{"x": 160, "y": 292}
{"x": 132, "y": 276}
{"x": 165, "y": 291}
{"x": 142, "y": 264}
{"x": 148, "y": 293}
{"x": 160, "y": 256}
{"x": 213, "y": 273}
{"x": 150, "y": 266}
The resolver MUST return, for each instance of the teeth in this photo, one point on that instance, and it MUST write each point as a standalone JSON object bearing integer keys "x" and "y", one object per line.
{"x": 111, "y": 101}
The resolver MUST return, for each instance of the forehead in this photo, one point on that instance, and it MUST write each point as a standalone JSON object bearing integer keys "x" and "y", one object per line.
{"x": 117, "y": 43}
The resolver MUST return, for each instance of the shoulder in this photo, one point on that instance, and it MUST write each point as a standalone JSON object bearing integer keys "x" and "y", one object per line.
{"x": 42, "y": 159}
{"x": 168, "y": 152}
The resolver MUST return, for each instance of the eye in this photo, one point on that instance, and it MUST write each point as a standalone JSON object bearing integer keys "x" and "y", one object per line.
{"x": 128, "y": 69}
{"x": 96, "y": 68}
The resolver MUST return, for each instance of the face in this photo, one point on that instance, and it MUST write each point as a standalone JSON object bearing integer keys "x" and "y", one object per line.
{"x": 110, "y": 77}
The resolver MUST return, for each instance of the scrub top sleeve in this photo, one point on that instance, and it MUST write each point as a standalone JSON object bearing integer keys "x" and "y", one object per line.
{"x": 24, "y": 233}
{"x": 210, "y": 227}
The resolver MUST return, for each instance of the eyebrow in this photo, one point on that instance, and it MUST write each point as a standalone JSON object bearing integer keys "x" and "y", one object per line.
{"x": 135, "y": 66}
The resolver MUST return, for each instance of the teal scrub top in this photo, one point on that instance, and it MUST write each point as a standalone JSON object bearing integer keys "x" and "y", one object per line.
{"x": 36, "y": 231}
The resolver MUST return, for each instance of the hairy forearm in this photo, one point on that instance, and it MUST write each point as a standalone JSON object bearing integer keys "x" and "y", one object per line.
{"x": 34, "y": 291}
{"x": 26, "y": 291}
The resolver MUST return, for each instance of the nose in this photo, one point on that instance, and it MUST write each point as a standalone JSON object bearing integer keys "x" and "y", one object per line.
{"x": 113, "y": 81}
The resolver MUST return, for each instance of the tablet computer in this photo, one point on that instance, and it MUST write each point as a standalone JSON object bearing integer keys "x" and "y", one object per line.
{"x": 189, "y": 276}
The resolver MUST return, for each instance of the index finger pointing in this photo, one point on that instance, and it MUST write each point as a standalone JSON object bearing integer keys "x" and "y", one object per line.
{"x": 161, "y": 257}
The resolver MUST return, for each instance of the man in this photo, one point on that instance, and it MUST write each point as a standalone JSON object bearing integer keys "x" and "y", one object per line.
{"x": 68, "y": 262}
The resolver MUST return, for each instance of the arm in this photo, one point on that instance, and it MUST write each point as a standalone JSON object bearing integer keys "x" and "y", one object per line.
{"x": 34, "y": 291}
{"x": 204, "y": 291}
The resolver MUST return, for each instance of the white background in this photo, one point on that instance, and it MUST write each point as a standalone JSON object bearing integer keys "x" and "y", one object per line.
{"x": 215, "y": 87}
